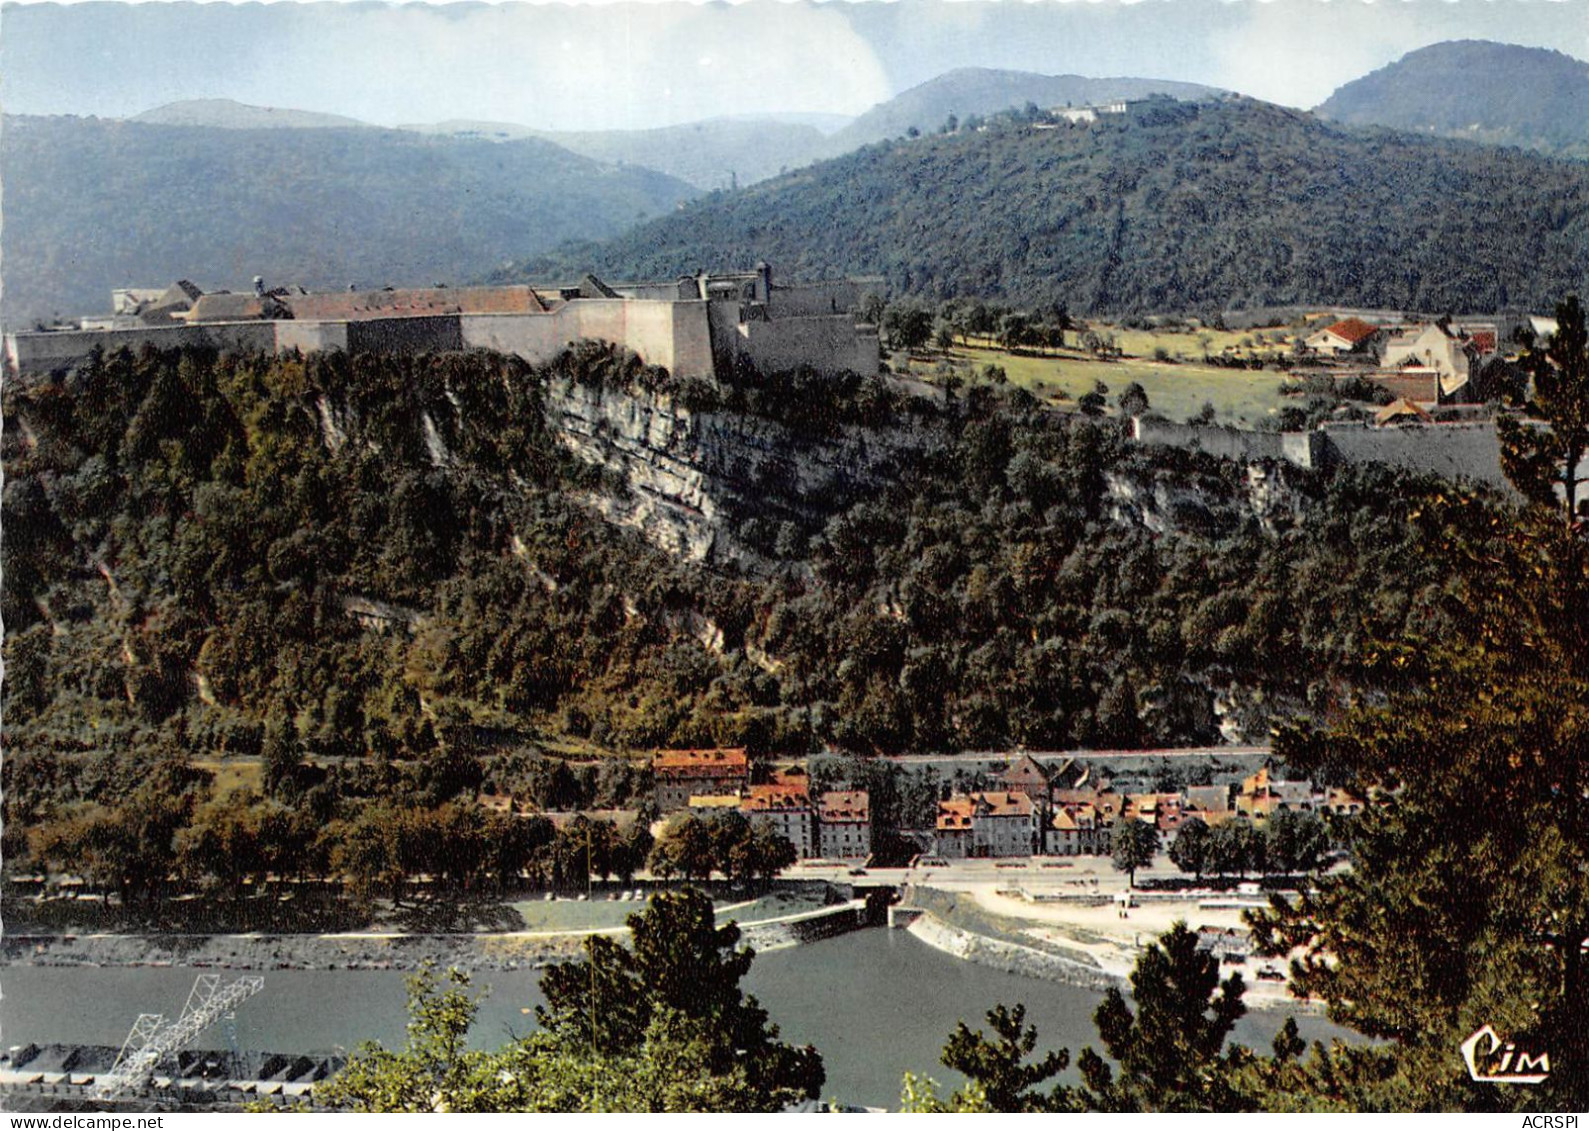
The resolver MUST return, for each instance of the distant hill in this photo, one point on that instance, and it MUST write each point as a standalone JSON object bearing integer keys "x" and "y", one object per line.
{"x": 979, "y": 90}
{"x": 93, "y": 204}
{"x": 1189, "y": 205}
{"x": 223, "y": 113}
{"x": 712, "y": 154}
{"x": 1489, "y": 92}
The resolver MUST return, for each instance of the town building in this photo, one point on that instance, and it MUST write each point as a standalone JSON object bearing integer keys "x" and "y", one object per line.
{"x": 1076, "y": 830}
{"x": 683, "y": 774}
{"x": 1026, "y": 775}
{"x": 844, "y": 825}
{"x": 1447, "y": 356}
{"x": 706, "y": 325}
{"x": 1161, "y": 810}
{"x": 1207, "y": 803}
{"x": 787, "y": 811}
{"x": 987, "y": 824}
{"x": 1261, "y": 795}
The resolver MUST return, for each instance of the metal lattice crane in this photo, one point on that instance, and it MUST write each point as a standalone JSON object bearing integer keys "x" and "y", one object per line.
{"x": 148, "y": 1043}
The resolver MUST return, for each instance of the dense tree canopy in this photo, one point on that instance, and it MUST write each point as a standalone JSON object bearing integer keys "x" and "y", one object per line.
{"x": 1468, "y": 901}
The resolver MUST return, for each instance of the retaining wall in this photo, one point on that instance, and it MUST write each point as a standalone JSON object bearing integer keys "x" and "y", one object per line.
{"x": 1010, "y": 957}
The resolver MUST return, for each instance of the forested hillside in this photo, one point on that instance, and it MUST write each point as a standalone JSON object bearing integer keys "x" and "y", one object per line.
{"x": 1490, "y": 92}
{"x": 1188, "y": 206}
{"x": 378, "y": 560}
{"x": 93, "y": 204}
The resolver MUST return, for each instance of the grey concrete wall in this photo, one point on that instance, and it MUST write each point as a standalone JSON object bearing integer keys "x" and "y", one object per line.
{"x": 828, "y": 341}
{"x": 1457, "y": 451}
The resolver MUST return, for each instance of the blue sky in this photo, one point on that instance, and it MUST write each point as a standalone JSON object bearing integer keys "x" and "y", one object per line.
{"x": 634, "y": 65}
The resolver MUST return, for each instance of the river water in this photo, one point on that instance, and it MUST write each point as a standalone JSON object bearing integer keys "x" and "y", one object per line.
{"x": 875, "y": 1002}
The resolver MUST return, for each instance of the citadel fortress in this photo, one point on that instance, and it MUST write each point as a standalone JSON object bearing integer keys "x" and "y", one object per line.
{"x": 695, "y": 326}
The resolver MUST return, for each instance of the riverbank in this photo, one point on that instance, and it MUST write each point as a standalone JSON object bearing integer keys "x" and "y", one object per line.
{"x": 1083, "y": 941}
{"x": 764, "y": 928}
{"x": 1008, "y": 957}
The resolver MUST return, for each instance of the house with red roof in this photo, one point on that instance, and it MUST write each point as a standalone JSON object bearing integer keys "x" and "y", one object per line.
{"x": 1350, "y": 335}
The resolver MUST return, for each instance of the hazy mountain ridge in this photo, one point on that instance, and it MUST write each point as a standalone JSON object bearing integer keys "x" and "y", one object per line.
{"x": 1489, "y": 92}
{"x": 1188, "y": 206}
{"x": 226, "y": 114}
{"x": 713, "y": 154}
{"x": 93, "y": 204}
{"x": 982, "y": 90}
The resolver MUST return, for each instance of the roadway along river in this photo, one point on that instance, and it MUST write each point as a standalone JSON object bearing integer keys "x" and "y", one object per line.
{"x": 875, "y": 1002}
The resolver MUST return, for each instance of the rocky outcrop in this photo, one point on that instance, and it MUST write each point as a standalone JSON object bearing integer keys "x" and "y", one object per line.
{"x": 1171, "y": 502}
{"x": 693, "y": 478}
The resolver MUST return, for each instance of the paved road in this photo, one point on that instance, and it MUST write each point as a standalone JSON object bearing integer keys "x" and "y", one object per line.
{"x": 1040, "y": 871}
{"x": 980, "y": 756}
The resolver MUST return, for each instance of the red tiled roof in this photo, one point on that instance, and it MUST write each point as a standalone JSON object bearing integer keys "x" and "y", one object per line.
{"x": 955, "y": 813}
{"x": 1353, "y": 330}
{"x": 775, "y": 798}
{"x": 1002, "y": 804}
{"x": 846, "y": 805}
{"x": 356, "y": 305}
{"x": 699, "y": 763}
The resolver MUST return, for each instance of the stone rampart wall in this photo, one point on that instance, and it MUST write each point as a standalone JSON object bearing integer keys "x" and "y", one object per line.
{"x": 43, "y": 351}
{"x": 1227, "y": 443}
{"x": 824, "y": 341}
{"x": 423, "y": 334}
{"x": 1457, "y": 451}
{"x": 309, "y": 337}
{"x": 804, "y": 300}
{"x": 677, "y": 335}
{"x": 534, "y": 337}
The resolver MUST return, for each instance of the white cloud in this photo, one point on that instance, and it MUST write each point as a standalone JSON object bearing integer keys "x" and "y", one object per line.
{"x": 609, "y": 67}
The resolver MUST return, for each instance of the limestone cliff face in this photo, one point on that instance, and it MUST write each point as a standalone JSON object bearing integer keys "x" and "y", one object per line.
{"x": 694, "y": 478}
{"x": 1169, "y": 502}
{"x": 1203, "y": 506}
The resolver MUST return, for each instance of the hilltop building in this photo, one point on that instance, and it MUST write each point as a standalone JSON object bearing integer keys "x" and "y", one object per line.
{"x": 703, "y": 325}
